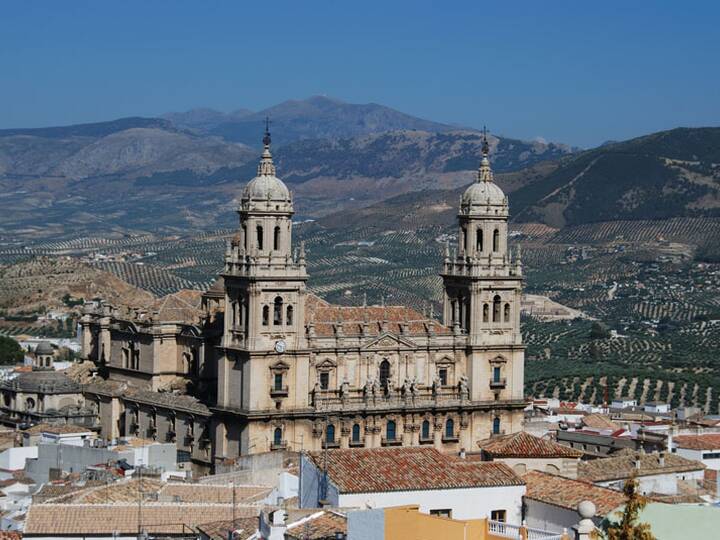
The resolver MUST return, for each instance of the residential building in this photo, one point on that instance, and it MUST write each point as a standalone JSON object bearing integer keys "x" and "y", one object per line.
{"x": 656, "y": 473}
{"x": 551, "y": 501}
{"x": 704, "y": 448}
{"x": 438, "y": 483}
{"x": 525, "y": 452}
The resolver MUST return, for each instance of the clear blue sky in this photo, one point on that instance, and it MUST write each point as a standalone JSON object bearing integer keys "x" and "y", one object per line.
{"x": 569, "y": 71}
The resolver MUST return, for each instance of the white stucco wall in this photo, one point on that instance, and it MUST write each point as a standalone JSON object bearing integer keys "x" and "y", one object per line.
{"x": 665, "y": 484}
{"x": 13, "y": 459}
{"x": 697, "y": 455}
{"x": 469, "y": 503}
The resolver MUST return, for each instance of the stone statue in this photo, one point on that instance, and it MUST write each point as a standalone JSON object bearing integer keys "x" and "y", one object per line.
{"x": 463, "y": 387}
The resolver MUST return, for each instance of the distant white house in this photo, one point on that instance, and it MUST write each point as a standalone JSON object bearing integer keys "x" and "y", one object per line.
{"x": 704, "y": 448}
{"x": 656, "y": 407}
{"x": 623, "y": 403}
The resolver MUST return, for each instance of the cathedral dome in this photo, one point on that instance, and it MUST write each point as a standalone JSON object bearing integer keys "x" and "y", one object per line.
{"x": 266, "y": 186}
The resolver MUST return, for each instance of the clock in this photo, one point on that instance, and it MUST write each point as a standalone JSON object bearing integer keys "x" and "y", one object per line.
{"x": 280, "y": 346}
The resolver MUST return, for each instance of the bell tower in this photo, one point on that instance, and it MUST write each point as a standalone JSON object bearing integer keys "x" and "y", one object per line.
{"x": 483, "y": 285}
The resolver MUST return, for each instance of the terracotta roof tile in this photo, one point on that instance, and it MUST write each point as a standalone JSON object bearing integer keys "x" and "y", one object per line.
{"x": 567, "y": 493}
{"x": 157, "y": 518}
{"x": 409, "y": 469}
{"x": 524, "y": 444}
{"x": 57, "y": 429}
{"x": 599, "y": 421}
{"x": 318, "y": 527}
{"x": 706, "y": 441}
{"x": 218, "y": 530}
{"x": 622, "y": 465}
{"x": 325, "y": 317}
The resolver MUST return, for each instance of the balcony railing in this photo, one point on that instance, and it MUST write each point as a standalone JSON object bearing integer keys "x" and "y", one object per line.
{"x": 395, "y": 441}
{"x": 454, "y": 437}
{"x": 426, "y": 440}
{"x": 279, "y": 445}
{"x": 281, "y": 391}
{"x": 498, "y": 383}
{"x": 331, "y": 444}
{"x": 359, "y": 443}
{"x": 498, "y": 433}
{"x": 505, "y": 530}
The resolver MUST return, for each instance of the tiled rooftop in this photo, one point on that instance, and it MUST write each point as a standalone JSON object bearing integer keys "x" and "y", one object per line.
{"x": 706, "y": 441}
{"x": 157, "y": 518}
{"x": 600, "y": 421}
{"x": 567, "y": 493}
{"x": 58, "y": 429}
{"x": 244, "y": 528}
{"x": 525, "y": 445}
{"x": 622, "y": 466}
{"x": 317, "y": 527}
{"x": 409, "y": 469}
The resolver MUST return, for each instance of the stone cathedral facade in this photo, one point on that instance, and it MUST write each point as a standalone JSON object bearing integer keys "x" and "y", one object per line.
{"x": 273, "y": 366}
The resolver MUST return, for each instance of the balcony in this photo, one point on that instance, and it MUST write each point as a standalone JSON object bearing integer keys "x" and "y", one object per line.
{"x": 280, "y": 445}
{"x": 426, "y": 440}
{"x": 357, "y": 443}
{"x": 496, "y": 384}
{"x": 276, "y": 392}
{"x": 395, "y": 441}
{"x": 498, "y": 433}
{"x": 331, "y": 444}
{"x": 453, "y": 438}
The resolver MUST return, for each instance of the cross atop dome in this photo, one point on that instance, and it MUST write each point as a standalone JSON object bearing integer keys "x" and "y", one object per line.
{"x": 485, "y": 172}
{"x": 266, "y": 139}
{"x": 266, "y": 166}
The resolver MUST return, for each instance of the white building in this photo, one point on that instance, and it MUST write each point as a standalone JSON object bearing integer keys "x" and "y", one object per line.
{"x": 704, "y": 448}
{"x": 13, "y": 459}
{"x": 438, "y": 483}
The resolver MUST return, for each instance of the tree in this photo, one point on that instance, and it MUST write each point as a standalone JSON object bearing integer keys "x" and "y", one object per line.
{"x": 10, "y": 351}
{"x": 628, "y": 528}
{"x": 599, "y": 330}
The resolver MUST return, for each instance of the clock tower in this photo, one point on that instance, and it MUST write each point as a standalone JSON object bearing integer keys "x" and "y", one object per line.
{"x": 264, "y": 345}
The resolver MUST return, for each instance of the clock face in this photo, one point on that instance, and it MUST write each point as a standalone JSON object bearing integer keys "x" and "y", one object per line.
{"x": 280, "y": 346}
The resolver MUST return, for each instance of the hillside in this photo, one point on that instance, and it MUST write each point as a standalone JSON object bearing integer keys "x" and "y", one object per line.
{"x": 673, "y": 173}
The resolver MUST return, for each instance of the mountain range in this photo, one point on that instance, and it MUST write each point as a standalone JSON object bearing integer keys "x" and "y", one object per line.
{"x": 184, "y": 171}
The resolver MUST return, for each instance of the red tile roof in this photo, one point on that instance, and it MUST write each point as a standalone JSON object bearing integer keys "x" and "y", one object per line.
{"x": 409, "y": 469}
{"x": 317, "y": 527}
{"x": 525, "y": 445}
{"x": 567, "y": 493}
{"x": 623, "y": 465}
{"x": 707, "y": 441}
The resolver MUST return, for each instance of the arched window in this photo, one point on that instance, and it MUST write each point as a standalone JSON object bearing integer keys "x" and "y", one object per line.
{"x": 479, "y": 241}
{"x": 330, "y": 434}
{"x": 277, "y": 436}
{"x": 276, "y": 238}
{"x": 277, "y": 311}
{"x": 289, "y": 316}
{"x": 245, "y": 238}
{"x": 496, "y": 240}
{"x": 356, "y": 433}
{"x": 29, "y": 404}
{"x": 486, "y": 313}
{"x": 384, "y": 373}
{"x": 496, "y": 309}
{"x": 266, "y": 315}
{"x": 463, "y": 240}
{"x": 425, "y": 430}
{"x": 449, "y": 428}
{"x": 259, "y": 231}
{"x": 507, "y": 312}
{"x": 496, "y": 426}
{"x": 390, "y": 430}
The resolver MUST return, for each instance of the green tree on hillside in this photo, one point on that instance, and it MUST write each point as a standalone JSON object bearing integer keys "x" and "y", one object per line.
{"x": 10, "y": 351}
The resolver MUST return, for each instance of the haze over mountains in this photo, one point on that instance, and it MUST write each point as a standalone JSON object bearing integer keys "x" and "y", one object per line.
{"x": 184, "y": 171}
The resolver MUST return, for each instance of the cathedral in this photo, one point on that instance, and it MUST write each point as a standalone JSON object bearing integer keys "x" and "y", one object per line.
{"x": 259, "y": 363}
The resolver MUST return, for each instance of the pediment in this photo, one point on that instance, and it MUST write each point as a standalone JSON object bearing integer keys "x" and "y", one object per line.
{"x": 326, "y": 363}
{"x": 389, "y": 341}
{"x": 280, "y": 366}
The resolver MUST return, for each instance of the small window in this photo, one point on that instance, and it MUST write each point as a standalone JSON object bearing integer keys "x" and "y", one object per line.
{"x": 245, "y": 237}
{"x": 277, "y": 436}
{"x": 384, "y": 373}
{"x": 330, "y": 434}
{"x": 498, "y": 515}
{"x": 496, "y": 374}
{"x": 324, "y": 380}
{"x": 390, "y": 431}
{"x": 259, "y": 232}
{"x": 443, "y": 376}
{"x": 356, "y": 433}
{"x": 479, "y": 241}
{"x": 266, "y": 315}
{"x": 289, "y": 316}
{"x": 496, "y": 240}
{"x": 277, "y": 311}
{"x": 449, "y": 428}
{"x": 486, "y": 313}
{"x": 425, "y": 430}
{"x": 276, "y": 238}
{"x": 441, "y": 512}
{"x": 496, "y": 426}
{"x": 496, "y": 308}
{"x": 507, "y": 312}
{"x": 463, "y": 240}
{"x": 278, "y": 381}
